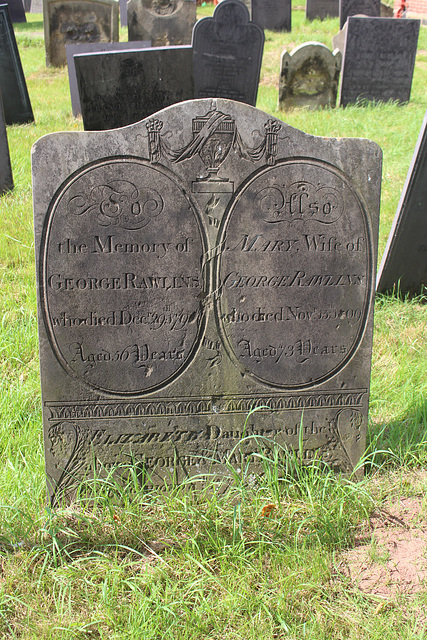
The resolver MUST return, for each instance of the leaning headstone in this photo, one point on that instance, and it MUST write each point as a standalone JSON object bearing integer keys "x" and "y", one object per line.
{"x": 404, "y": 264}
{"x": 164, "y": 22}
{"x": 338, "y": 40}
{"x": 379, "y": 59}
{"x": 321, "y": 9}
{"x": 16, "y": 101}
{"x": 227, "y": 54}
{"x": 355, "y": 7}
{"x": 16, "y": 10}
{"x": 76, "y": 49}
{"x": 206, "y": 261}
{"x": 309, "y": 77}
{"x": 272, "y": 14}
{"x": 77, "y": 21}
{"x": 6, "y": 179}
{"x": 122, "y": 87}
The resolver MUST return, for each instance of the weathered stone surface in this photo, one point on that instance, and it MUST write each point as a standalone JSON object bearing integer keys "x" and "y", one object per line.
{"x": 123, "y": 11}
{"x": 404, "y": 263}
{"x": 164, "y": 22}
{"x": 203, "y": 262}
{"x": 322, "y": 9}
{"x": 122, "y": 87}
{"x": 16, "y": 101}
{"x": 6, "y": 179}
{"x": 77, "y": 21}
{"x": 16, "y": 10}
{"x": 227, "y": 54}
{"x": 92, "y": 47}
{"x": 338, "y": 40}
{"x": 349, "y": 8}
{"x": 272, "y": 14}
{"x": 386, "y": 11}
{"x": 309, "y": 77}
{"x": 379, "y": 59}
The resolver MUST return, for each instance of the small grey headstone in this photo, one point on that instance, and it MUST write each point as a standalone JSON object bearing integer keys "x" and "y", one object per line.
{"x": 89, "y": 47}
{"x": 338, "y": 40}
{"x": 16, "y": 11}
{"x": 206, "y": 261}
{"x": 123, "y": 11}
{"x": 227, "y": 54}
{"x": 6, "y": 179}
{"x": 321, "y": 9}
{"x": 16, "y": 101}
{"x": 309, "y": 77}
{"x": 404, "y": 263}
{"x": 36, "y": 6}
{"x": 164, "y": 22}
{"x": 77, "y": 21}
{"x": 122, "y": 87}
{"x": 355, "y": 7}
{"x": 272, "y": 14}
{"x": 379, "y": 58}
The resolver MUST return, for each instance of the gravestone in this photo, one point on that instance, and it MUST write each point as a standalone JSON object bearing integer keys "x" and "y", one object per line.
{"x": 77, "y": 21}
{"x": 386, "y": 11}
{"x": 309, "y": 77}
{"x": 321, "y": 9}
{"x": 206, "y": 261}
{"x": 164, "y": 22}
{"x": 122, "y": 87}
{"x": 248, "y": 5}
{"x": 6, "y": 179}
{"x": 227, "y": 54}
{"x": 379, "y": 59}
{"x": 76, "y": 49}
{"x": 272, "y": 14}
{"x": 349, "y": 8}
{"x": 404, "y": 263}
{"x": 16, "y": 101}
{"x": 123, "y": 11}
{"x": 36, "y": 6}
{"x": 16, "y": 11}
{"x": 338, "y": 40}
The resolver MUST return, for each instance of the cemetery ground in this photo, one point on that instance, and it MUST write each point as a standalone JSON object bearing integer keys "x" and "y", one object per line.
{"x": 300, "y": 553}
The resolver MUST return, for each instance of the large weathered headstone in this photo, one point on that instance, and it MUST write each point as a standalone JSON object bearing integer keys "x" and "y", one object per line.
{"x": 349, "y": 8}
{"x": 272, "y": 14}
{"x": 379, "y": 59}
{"x": 321, "y": 9}
{"x": 77, "y": 21}
{"x": 77, "y": 49}
{"x": 164, "y": 22}
{"x": 6, "y": 179}
{"x": 404, "y": 263}
{"x": 16, "y": 10}
{"x": 208, "y": 260}
{"x": 309, "y": 77}
{"x": 122, "y": 87}
{"x": 16, "y": 101}
{"x": 227, "y": 54}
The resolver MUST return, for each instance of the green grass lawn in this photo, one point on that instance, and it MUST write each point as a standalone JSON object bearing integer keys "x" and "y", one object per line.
{"x": 120, "y": 564}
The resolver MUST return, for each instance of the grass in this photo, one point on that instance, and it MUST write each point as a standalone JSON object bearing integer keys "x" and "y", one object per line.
{"x": 260, "y": 559}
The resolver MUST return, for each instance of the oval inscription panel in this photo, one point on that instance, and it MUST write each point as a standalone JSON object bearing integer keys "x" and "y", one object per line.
{"x": 122, "y": 281}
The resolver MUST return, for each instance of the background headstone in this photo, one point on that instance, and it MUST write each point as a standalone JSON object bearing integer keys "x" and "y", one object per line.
{"x": 36, "y": 6}
{"x": 309, "y": 77}
{"x": 6, "y": 179}
{"x": 16, "y": 11}
{"x": 272, "y": 14}
{"x": 248, "y": 4}
{"x": 227, "y": 54}
{"x": 386, "y": 11}
{"x": 164, "y": 22}
{"x": 123, "y": 10}
{"x": 16, "y": 101}
{"x": 206, "y": 261}
{"x": 322, "y": 9}
{"x": 404, "y": 262}
{"x": 355, "y": 7}
{"x": 75, "y": 49}
{"x": 77, "y": 21}
{"x": 122, "y": 87}
{"x": 379, "y": 59}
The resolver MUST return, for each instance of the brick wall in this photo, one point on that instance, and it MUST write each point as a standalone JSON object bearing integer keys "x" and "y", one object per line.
{"x": 413, "y": 6}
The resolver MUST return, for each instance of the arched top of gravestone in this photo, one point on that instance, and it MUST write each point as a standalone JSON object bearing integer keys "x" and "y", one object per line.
{"x": 163, "y": 22}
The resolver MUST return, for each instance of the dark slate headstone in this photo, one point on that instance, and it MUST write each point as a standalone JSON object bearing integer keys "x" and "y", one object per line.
{"x": 164, "y": 22}
{"x": 75, "y": 49}
{"x": 122, "y": 87}
{"x": 6, "y": 179}
{"x": 16, "y": 10}
{"x": 196, "y": 265}
{"x": 379, "y": 59}
{"x": 272, "y": 14}
{"x": 309, "y": 77}
{"x": 321, "y": 9}
{"x": 404, "y": 263}
{"x": 77, "y": 21}
{"x": 227, "y": 54}
{"x": 16, "y": 101}
{"x": 349, "y": 8}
